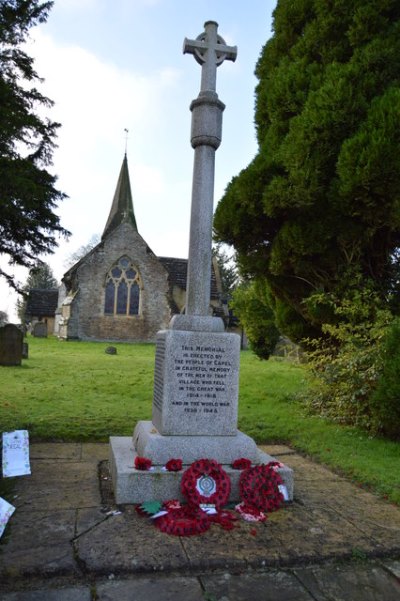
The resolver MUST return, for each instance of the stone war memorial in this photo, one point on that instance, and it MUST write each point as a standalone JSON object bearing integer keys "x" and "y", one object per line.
{"x": 195, "y": 399}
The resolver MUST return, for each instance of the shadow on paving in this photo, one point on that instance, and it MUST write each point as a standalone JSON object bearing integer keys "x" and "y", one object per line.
{"x": 66, "y": 527}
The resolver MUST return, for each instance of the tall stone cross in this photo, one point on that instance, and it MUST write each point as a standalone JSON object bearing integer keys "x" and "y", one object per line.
{"x": 210, "y": 51}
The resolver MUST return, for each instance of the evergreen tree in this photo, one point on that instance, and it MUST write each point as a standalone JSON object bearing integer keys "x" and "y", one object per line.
{"x": 28, "y": 196}
{"x": 318, "y": 209}
{"x": 227, "y": 270}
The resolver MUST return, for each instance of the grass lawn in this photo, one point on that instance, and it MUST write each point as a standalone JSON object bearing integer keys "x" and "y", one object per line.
{"x": 75, "y": 391}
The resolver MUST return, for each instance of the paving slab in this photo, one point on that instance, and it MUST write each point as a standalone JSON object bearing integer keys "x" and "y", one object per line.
{"x": 379, "y": 521}
{"x": 393, "y": 566}
{"x": 150, "y": 589}
{"x": 66, "y": 485}
{"x": 46, "y": 471}
{"x": 276, "y": 450}
{"x": 376, "y": 519}
{"x": 58, "y": 495}
{"x": 318, "y": 534}
{"x": 330, "y": 491}
{"x": 86, "y": 519}
{"x": 364, "y": 582}
{"x": 128, "y": 543}
{"x": 247, "y": 545}
{"x": 38, "y": 543}
{"x": 308, "y": 470}
{"x": 271, "y": 586}
{"x": 94, "y": 452}
{"x": 76, "y": 593}
{"x": 56, "y": 450}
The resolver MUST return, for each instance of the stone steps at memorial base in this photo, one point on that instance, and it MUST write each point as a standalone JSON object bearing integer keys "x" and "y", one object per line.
{"x": 137, "y": 486}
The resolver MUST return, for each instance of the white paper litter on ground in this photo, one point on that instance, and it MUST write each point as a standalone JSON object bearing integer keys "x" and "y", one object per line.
{"x": 16, "y": 454}
{"x": 6, "y": 511}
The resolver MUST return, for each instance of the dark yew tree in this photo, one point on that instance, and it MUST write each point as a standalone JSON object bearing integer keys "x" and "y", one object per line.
{"x": 252, "y": 305}
{"x": 318, "y": 210}
{"x": 28, "y": 196}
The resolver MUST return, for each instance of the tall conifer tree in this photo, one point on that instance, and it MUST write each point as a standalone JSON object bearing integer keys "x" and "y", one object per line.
{"x": 318, "y": 209}
{"x": 28, "y": 196}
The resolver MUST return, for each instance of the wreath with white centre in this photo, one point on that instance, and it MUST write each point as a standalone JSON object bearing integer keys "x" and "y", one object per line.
{"x": 205, "y": 482}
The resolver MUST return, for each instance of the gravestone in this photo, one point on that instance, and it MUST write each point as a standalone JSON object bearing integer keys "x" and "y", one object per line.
{"x": 195, "y": 400}
{"x": 11, "y": 339}
{"x": 25, "y": 350}
{"x": 40, "y": 329}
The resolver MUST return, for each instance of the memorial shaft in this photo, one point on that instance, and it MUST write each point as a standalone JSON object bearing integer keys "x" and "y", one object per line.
{"x": 209, "y": 50}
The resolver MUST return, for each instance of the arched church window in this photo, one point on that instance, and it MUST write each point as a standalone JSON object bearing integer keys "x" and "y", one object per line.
{"x": 122, "y": 290}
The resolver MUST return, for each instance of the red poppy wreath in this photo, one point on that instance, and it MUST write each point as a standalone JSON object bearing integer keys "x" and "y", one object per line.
{"x": 206, "y": 483}
{"x": 174, "y": 465}
{"x": 184, "y": 521}
{"x": 259, "y": 487}
{"x": 241, "y": 464}
{"x": 142, "y": 463}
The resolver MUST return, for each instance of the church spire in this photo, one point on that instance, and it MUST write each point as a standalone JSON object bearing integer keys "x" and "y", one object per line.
{"x": 122, "y": 204}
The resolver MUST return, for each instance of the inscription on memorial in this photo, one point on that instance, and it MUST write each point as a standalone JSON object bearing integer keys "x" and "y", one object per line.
{"x": 158, "y": 374}
{"x": 201, "y": 374}
{"x": 196, "y": 384}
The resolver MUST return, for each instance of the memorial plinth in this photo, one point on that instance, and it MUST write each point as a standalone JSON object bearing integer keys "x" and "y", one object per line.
{"x": 196, "y": 383}
{"x": 196, "y": 380}
{"x": 135, "y": 486}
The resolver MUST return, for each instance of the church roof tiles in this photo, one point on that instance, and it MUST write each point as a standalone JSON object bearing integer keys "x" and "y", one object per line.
{"x": 42, "y": 302}
{"x": 177, "y": 269}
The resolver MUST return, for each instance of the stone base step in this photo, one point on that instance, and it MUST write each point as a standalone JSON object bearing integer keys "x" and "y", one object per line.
{"x": 149, "y": 443}
{"x": 136, "y": 486}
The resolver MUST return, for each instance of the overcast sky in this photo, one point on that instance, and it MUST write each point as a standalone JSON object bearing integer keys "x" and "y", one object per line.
{"x": 111, "y": 65}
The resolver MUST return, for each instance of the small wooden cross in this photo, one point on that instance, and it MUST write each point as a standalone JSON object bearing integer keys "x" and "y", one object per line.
{"x": 210, "y": 51}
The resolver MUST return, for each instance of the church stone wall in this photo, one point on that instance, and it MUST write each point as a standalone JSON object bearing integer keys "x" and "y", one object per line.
{"x": 89, "y": 283}
{"x": 179, "y": 297}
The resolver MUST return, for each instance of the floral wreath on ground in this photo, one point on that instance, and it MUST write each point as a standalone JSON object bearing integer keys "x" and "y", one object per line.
{"x": 206, "y": 486}
{"x": 260, "y": 492}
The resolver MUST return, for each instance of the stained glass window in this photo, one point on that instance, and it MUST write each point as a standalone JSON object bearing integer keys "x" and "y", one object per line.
{"x": 122, "y": 297}
{"x": 122, "y": 290}
{"x": 124, "y": 262}
{"x": 110, "y": 294}
{"x": 134, "y": 300}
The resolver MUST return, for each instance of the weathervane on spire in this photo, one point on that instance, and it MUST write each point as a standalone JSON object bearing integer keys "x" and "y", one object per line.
{"x": 126, "y": 139}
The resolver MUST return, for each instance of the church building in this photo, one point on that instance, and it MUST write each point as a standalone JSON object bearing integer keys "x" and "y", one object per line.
{"x": 120, "y": 290}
